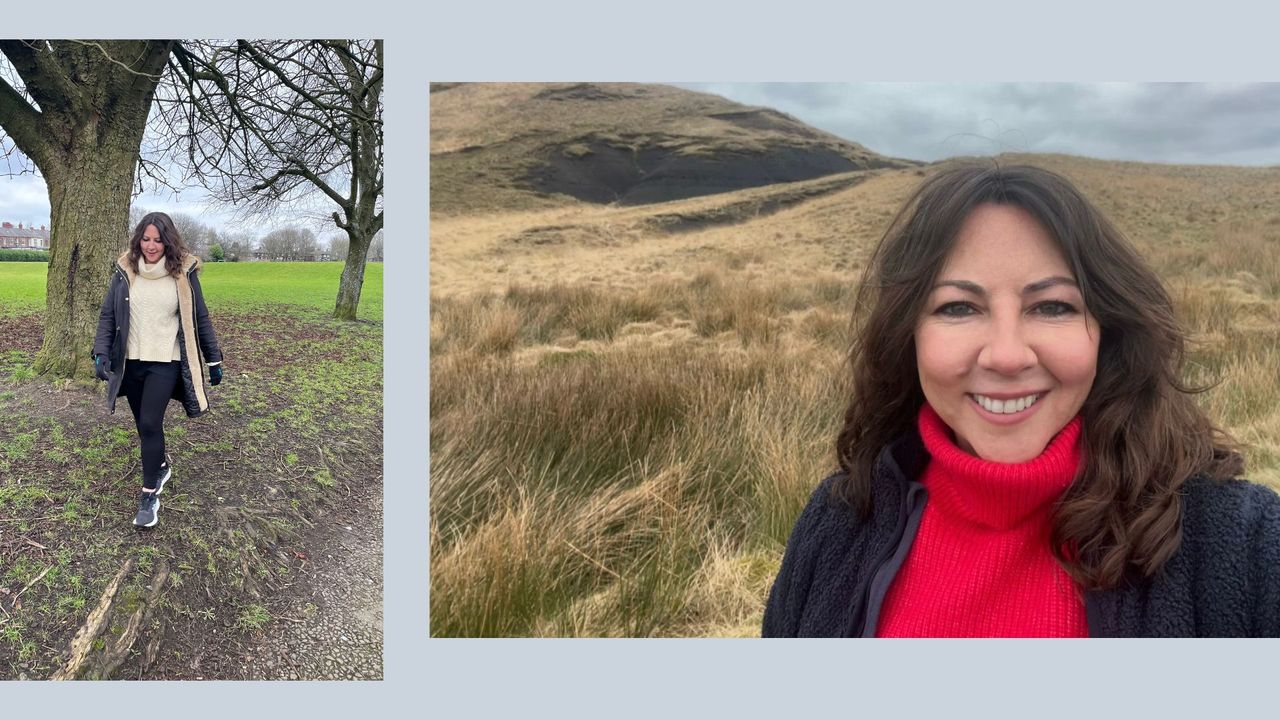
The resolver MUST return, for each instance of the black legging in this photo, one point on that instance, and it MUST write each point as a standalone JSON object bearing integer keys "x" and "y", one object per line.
{"x": 149, "y": 385}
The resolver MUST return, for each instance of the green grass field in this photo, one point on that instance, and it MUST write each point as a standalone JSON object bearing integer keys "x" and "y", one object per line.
{"x": 22, "y": 287}
{"x": 226, "y": 286}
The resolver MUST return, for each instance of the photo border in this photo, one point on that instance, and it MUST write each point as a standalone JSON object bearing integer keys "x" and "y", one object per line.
{"x": 684, "y": 41}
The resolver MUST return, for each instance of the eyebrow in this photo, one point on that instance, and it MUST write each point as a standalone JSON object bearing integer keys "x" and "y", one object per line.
{"x": 1034, "y": 287}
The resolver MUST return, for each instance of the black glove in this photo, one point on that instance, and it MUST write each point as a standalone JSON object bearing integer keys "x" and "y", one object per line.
{"x": 101, "y": 366}
{"x": 215, "y": 374}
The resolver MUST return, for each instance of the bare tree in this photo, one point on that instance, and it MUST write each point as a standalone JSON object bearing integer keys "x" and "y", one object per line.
{"x": 289, "y": 244}
{"x": 77, "y": 111}
{"x": 136, "y": 213}
{"x": 264, "y": 123}
{"x": 194, "y": 234}
{"x": 338, "y": 245}
{"x": 212, "y": 238}
{"x": 238, "y": 245}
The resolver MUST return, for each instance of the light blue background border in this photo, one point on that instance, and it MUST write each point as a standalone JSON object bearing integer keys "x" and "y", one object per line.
{"x": 688, "y": 41}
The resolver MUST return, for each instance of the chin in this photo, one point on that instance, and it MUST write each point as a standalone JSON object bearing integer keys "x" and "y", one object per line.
{"x": 1003, "y": 453}
{"x": 1019, "y": 445}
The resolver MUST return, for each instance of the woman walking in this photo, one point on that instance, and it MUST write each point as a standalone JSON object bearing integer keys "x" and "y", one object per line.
{"x": 154, "y": 336}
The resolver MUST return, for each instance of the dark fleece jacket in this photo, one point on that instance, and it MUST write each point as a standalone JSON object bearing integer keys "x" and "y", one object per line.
{"x": 1223, "y": 581}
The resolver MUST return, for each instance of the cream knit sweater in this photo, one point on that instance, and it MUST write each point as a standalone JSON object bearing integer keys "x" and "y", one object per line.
{"x": 153, "y": 315}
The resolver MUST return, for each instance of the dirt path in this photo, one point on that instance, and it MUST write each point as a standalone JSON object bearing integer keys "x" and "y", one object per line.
{"x": 330, "y": 625}
{"x": 325, "y": 624}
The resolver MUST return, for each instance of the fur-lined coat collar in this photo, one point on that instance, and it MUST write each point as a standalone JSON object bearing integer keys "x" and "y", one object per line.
{"x": 189, "y": 262}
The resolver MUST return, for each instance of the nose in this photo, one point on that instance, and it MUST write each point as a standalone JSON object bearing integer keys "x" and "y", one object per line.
{"x": 1006, "y": 350}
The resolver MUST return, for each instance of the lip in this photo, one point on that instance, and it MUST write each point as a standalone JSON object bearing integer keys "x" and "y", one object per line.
{"x": 998, "y": 419}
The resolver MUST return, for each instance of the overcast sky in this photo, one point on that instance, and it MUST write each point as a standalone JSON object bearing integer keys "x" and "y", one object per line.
{"x": 25, "y": 199}
{"x": 1191, "y": 123}
{"x": 1195, "y": 123}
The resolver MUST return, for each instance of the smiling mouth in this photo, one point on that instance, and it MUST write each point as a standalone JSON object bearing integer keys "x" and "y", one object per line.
{"x": 1010, "y": 407}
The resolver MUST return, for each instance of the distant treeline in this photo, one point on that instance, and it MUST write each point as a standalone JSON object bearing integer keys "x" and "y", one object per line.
{"x": 12, "y": 255}
{"x": 289, "y": 243}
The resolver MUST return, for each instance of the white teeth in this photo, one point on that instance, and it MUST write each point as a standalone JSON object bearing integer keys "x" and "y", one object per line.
{"x": 1006, "y": 407}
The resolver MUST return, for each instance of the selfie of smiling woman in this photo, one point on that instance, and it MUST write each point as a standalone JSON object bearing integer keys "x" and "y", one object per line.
{"x": 1020, "y": 457}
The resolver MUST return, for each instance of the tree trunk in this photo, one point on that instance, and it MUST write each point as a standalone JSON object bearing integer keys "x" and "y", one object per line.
{"x": 352, "y": 273}
{"x": 89, "y": 208}
{"x": 363, "y": 218}
{"x": 83, "y": 129}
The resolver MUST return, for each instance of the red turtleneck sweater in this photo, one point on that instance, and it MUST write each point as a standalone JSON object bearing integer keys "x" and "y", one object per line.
{"x": 980, "y": 565}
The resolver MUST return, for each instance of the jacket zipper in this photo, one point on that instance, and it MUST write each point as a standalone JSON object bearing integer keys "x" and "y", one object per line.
{"x": 125, "y": 360}
{"x": 887, "y": 569}
{"x": 860, "y": 619}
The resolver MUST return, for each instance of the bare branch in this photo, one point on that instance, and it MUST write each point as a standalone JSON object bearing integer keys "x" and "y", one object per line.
{"x": 41, "y": 66}
{"x": 23, "y": 123}
{"x": 263, "y": 123}
{"x": 127, "y": 67}
{"x": 264, "y": 61}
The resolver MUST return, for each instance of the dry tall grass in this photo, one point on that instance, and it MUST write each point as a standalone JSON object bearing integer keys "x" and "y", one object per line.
{"x": 623, "y": 434}
{"x": 609, "y": 486}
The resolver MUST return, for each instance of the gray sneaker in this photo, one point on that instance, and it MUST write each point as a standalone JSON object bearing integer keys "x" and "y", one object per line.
{"x": 148, "y": 510}
{"x": 166, "y": 472}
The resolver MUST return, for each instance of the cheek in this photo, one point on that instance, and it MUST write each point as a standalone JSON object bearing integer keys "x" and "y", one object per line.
{"x": 1074, "y": 362}
{"x": 940, "y": 357}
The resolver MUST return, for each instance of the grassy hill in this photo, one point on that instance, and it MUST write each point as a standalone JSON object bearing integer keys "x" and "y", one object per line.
{"x": 631, "y": 403}
{"x": 537, "y": 145}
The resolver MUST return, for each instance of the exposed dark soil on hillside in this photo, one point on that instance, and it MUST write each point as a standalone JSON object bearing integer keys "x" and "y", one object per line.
{"x": 610, "y": 172}
{"x": 520, "y": 146}
{"x": 734, "y": 210}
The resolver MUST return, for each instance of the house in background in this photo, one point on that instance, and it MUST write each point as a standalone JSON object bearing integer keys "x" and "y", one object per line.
{"x": 26, "y": 238}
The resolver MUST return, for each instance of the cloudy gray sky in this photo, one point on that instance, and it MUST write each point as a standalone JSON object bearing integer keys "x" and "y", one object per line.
{"x": 24, "y": 196}
{"x": 24, "y": 199}
{"x": 1185, "y": 123}
{"x": 1193, "y": 123}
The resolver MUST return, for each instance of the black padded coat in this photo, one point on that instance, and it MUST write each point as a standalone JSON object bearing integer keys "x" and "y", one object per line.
{"x": 196, "y": 338}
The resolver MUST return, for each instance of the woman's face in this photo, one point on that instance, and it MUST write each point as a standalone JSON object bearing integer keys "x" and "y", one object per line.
{"x": 152, "y": 247}
{"x": 1005, "y": 325}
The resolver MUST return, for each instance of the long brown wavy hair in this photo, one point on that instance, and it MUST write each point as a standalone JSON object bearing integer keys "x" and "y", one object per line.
{"x": 174, "y": 248}
{"x": 1143, "y": 433}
